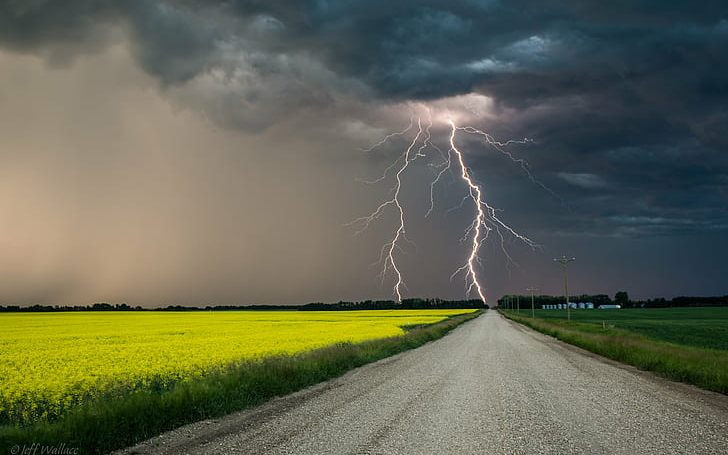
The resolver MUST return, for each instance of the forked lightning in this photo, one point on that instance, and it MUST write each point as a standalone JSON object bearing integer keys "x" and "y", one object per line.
{"x": 485, "y": 220}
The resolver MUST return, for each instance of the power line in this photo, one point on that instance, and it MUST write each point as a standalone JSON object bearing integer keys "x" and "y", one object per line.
{"x": 533, "y": 313}
{"x": 564, "y": 261}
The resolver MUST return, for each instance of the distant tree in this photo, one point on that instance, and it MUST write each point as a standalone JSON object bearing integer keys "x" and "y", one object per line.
{"x": 601, "y": 299}
{"x": 102, "y": 306}
{"x": 658, "y": 303}
{"x": 621, "y": 298}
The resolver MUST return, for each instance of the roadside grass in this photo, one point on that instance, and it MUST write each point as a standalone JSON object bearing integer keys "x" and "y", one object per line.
{"x": 111, "y": 423}
{"x": 698, "y": 327}
{"x": 705, "y": 368}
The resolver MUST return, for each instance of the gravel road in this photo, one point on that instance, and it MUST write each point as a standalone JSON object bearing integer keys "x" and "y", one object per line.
{"x": 489, "y": 387}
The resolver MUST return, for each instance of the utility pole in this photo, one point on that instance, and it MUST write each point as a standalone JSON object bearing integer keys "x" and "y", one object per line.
{"x": 518, "y": 303}
{"x": 564, "y": 261}
{"x": 533, "y": 312}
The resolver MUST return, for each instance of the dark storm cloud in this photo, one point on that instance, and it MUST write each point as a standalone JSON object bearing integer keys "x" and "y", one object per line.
{"x": 171, "y": 42}
{"x": 522, "y": 52}
{"x": 627, "y": 99}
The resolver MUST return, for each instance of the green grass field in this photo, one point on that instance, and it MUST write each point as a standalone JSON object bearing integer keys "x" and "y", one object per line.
{"x": 681, "y": 344}
{"x": 697, "y": 327}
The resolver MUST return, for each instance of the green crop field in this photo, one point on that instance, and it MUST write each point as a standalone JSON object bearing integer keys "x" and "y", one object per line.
{"x": 697, "y": 327}
{"x": 681, "y": 344}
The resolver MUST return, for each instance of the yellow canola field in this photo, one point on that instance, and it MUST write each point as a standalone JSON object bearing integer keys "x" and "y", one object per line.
{"x": 50, "y": 362}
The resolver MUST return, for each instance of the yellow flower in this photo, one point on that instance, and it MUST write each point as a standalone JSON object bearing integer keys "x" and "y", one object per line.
{"x": 50, "y": 362}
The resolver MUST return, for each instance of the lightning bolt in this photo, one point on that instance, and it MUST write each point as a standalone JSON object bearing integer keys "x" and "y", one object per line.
{"x": 485, "y": 219}
{"x": 387, "y": 255}
{"x": 483, "y": 224}
{"x": 479, "y": 222}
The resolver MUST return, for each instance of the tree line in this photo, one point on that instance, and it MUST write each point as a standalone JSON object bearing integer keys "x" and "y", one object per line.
{"x": 406, "y": 304}
{"x": 620, "y": 298}
{"x": 125, "y": 307}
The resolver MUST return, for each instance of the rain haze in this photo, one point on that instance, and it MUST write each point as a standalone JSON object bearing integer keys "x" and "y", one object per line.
{"x": 210, "y": 153}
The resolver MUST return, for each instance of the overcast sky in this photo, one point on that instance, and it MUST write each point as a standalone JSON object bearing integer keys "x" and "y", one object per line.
{"x": 215, "y": 152}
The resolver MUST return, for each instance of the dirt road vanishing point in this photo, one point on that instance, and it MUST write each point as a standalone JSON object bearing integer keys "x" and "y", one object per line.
{"x": 490, "y": 387}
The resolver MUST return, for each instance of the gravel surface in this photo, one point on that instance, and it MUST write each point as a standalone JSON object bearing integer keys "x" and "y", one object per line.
{"x": 489, "y": 387}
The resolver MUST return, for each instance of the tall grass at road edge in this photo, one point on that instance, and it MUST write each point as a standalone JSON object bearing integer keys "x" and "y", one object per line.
{"x": 113, "y": 423}
{"x": 705, "y": 368}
